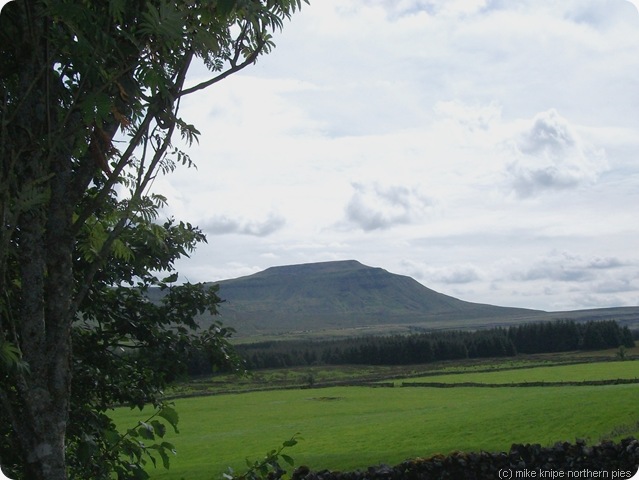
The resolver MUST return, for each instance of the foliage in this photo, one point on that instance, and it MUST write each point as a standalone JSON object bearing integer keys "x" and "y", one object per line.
{"x": 10, "y": 357}
{"x": 269, "y": 466}
{"x": 565, "y": 335}
{"x": 621, "y": 353}
{"x": 127, "y": 357}
{"x": 89, "y": 105}
{"x": 127, "y": 349}
{"x": 126, "y": 454}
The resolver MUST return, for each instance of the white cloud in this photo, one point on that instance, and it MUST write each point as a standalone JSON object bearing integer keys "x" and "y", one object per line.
{"x": 378, "y": 207}
{"x": 569, "y": 267}
{"x": 551, "y": 155}
{"x": 221, "y": 225}
{"x": 455, "y": 141}
{"x": 452, "y": 274}
{"x": 477, "y": 117}
{"x": 575, "y": 281}
{"x": 615, "y": 285}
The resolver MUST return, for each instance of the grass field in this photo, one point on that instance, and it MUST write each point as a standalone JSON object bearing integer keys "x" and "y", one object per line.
{"x": 345, "y": 428}
{"x": 556, "y": 373}
{"x": 326, "y": 375}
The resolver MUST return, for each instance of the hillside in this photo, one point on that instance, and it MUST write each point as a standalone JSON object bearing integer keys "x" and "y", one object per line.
{"x": 346, "y": 295}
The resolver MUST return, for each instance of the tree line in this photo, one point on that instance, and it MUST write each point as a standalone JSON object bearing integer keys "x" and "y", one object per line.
{"x": 543, "y": 337}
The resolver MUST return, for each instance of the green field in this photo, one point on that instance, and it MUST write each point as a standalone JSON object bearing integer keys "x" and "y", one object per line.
{"x": 345, "y": 428}
{"x": 557, "y": 373}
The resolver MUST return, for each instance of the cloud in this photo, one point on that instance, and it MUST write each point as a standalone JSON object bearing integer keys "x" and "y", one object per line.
{"x": 566, "y": 267}
{"x": 442, "y": 277}
{"x": 550, "y": 134}
{"x": 476, "y": 117}
{"x": 455, "y": 274}
{"x": 451, "y": 97}
{"x": 603, "y": 14}
{"x": 605, "y": 263}
{"x": 635, "y": 3}
{"x": 447, "y": 8}
{"x": 551, "y": 155}
{"x": 377, "y": 207}
{"x": 221, "y": 225}
{"x": 615, "y": 285}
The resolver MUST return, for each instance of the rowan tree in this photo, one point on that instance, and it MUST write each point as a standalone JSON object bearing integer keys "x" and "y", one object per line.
{"x": 89, "y": 96}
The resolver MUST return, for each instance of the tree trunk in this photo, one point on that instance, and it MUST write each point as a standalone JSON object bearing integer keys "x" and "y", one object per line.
{"x": 41, "y": 305}
{"x": 44, "y": 325}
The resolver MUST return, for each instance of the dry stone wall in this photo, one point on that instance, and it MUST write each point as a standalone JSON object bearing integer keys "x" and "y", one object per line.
{"x": 612, "y": 460}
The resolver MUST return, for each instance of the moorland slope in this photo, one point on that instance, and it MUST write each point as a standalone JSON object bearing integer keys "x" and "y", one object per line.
{"x": 345, "y": 298}
{"x": 346, "y": 295}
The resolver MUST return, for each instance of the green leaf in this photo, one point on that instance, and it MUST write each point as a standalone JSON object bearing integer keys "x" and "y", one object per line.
{"x": 159, "y": 428}
{"x": 165, "y": 458}
{"x": 112, "y": 437}
{"x": 9, "y": 353}
{"x": 116, "y": 9}
{"x": 121, "y": 251}
{"x": 169, "y": 446}
{"x": 146, "y": 431}
{"x": 171, "y": 278}
{"x": 170, "y": 415}
{"x": 96, "y": 107}
{"x": 225, "y": 7}
{"x": 150, "y": 20}
{"x": 32, "y": 195}
{"x": 288, "y": 459}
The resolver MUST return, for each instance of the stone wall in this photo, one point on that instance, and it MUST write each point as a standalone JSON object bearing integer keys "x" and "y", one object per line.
{"x": 612, "y": 460}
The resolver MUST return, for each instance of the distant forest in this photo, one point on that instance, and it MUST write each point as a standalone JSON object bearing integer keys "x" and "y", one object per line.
{"x": 545, "y": 337}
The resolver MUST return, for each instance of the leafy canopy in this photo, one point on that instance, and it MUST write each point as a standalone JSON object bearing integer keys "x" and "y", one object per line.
{"x": 90, "y": 96}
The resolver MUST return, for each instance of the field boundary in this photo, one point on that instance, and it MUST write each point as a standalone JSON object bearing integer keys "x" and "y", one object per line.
{"x": 618, "y": 381}
{"x": 391, "y": 379}
{"x": 562, "y": 460}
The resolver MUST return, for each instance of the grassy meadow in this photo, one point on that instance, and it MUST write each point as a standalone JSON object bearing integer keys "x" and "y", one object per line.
{"x": 350, "y": 427}
{"x": 582, "y": 372}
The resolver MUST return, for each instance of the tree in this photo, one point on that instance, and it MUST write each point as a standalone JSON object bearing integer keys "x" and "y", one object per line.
{"x": 90, "y": 104}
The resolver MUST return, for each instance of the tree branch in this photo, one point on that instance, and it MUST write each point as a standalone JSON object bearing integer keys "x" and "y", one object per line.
{"x": 234, "y": 69}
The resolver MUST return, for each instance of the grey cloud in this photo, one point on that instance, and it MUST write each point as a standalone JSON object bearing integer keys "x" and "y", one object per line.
{"x": 615, "y": 285}
{"x": 605, "y": 263}
{"x": 550, "y": 155}
{"x": 458, "y": 275}
{"x": 600, "y": 300}
{"x": 555, "y": 272}
{"x": 528, "y": 182}
{"x": 549, "y": 134}
{"x": 221, "y": 225}
{"x": 397, "y": 9}
{"x": 603, "y": 14}
{"x": 565, "y": 267}
{"x": 453, "y": 274}
{"x": 374, "y": 207}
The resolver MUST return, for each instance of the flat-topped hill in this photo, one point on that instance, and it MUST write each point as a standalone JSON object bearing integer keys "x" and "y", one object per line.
{"x": 346, "y": 295}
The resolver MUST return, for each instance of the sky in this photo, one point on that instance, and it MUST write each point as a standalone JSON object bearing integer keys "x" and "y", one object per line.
{"x": 488, "y": 149}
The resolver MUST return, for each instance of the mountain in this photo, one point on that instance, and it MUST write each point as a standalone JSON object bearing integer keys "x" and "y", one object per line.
{"x": 347, "y": 296}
